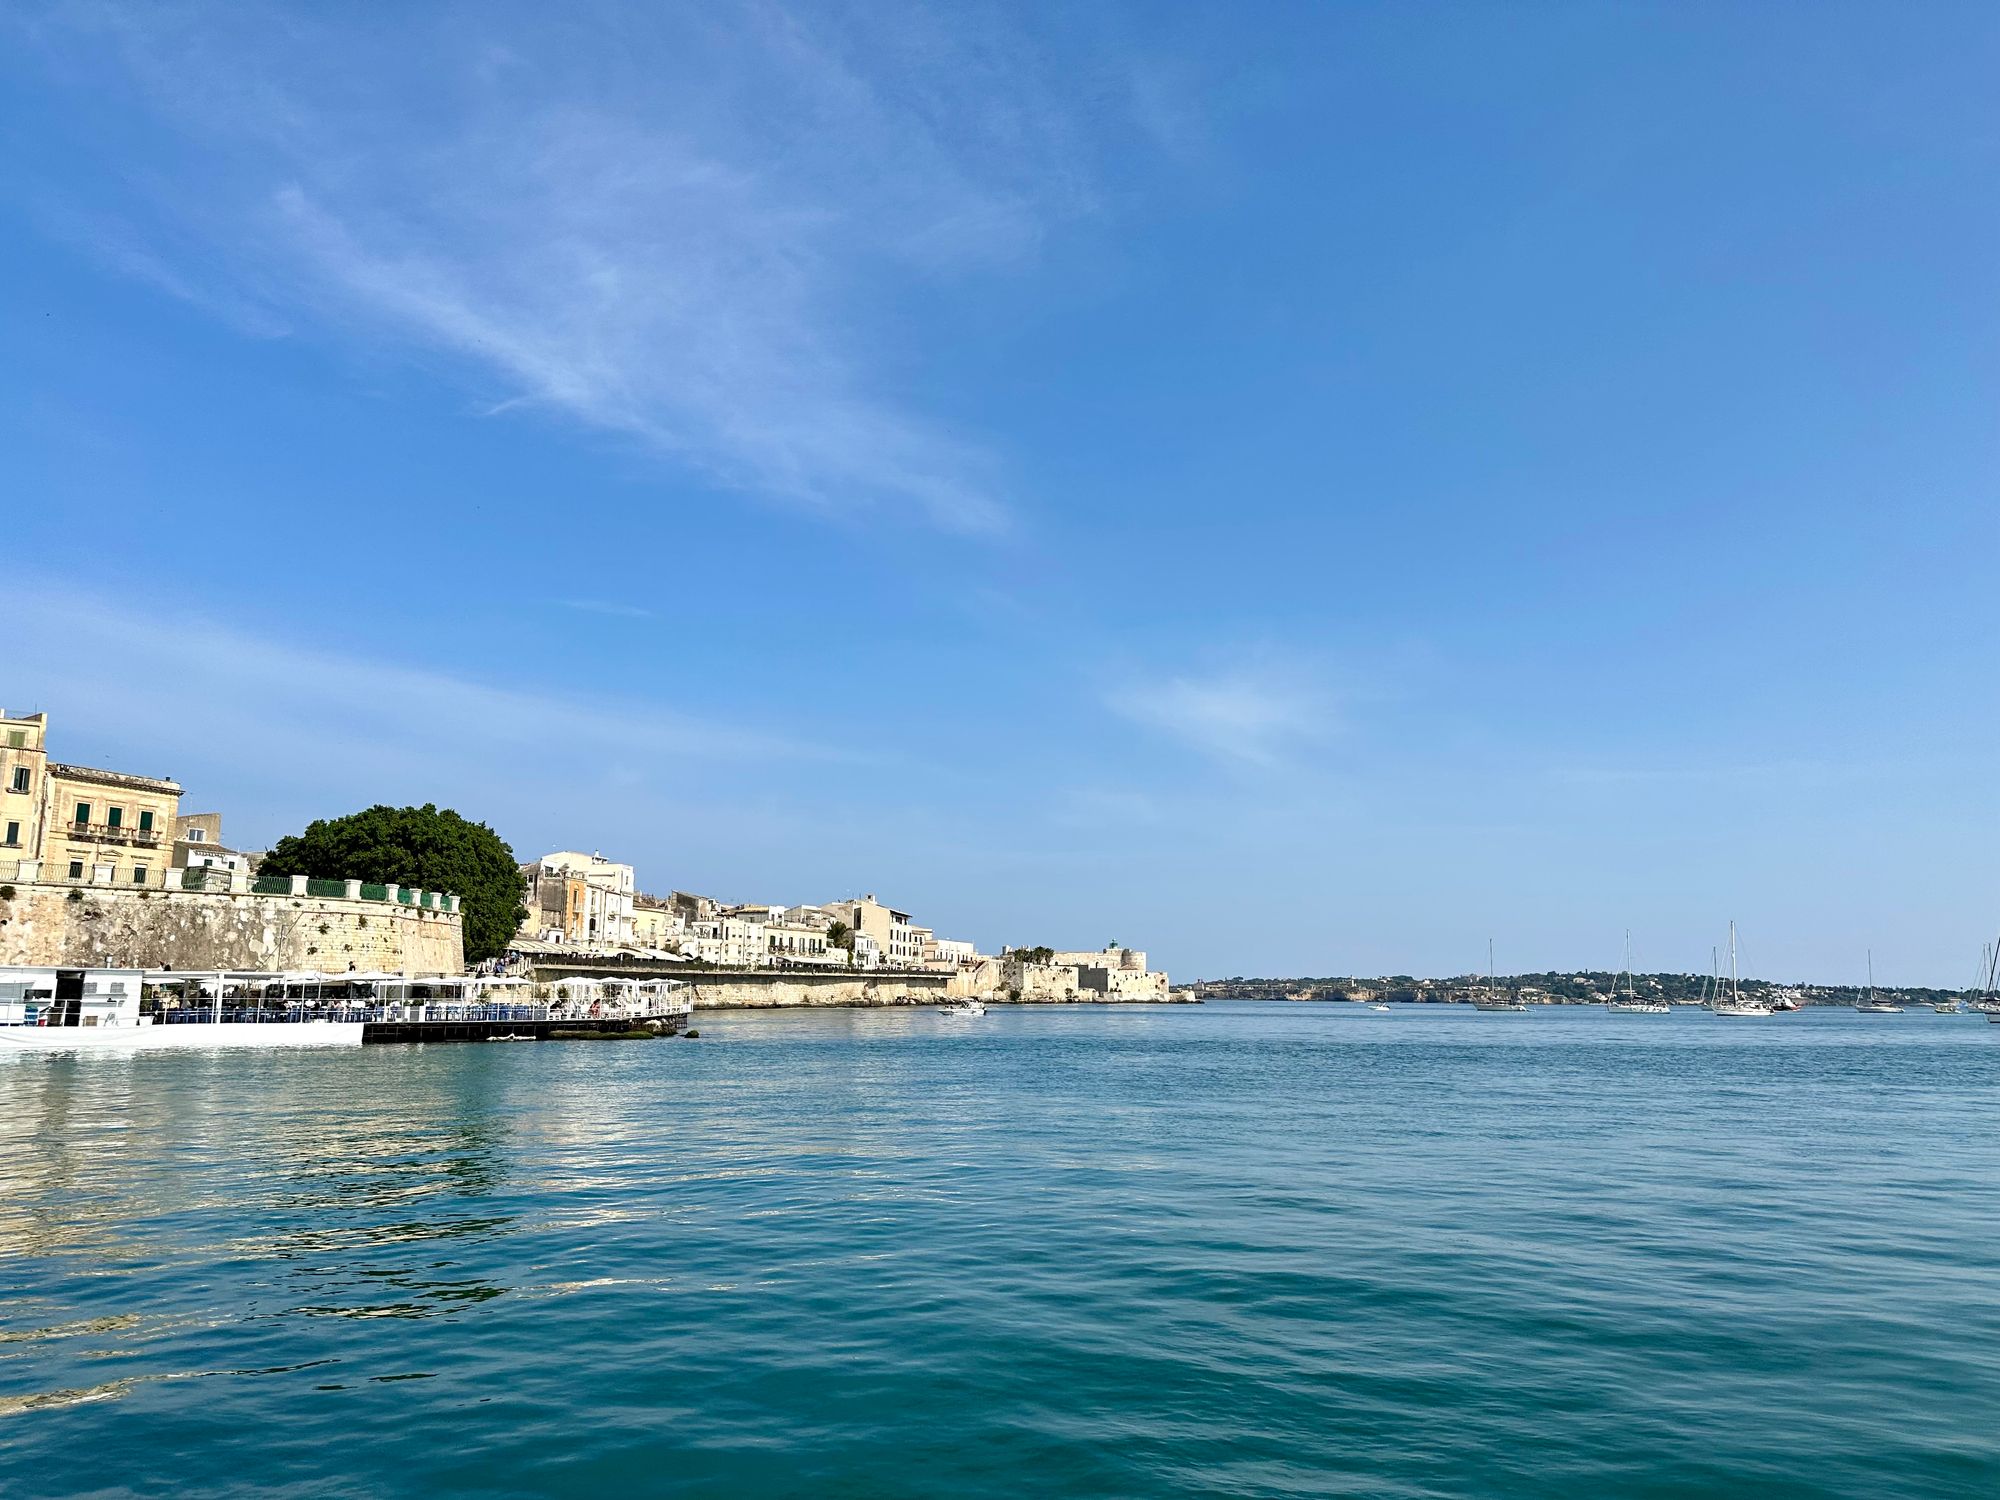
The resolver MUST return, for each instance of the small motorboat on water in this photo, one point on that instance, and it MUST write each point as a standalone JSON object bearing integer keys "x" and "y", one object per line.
{"x": 962, "y": 1008}
{"x": 1383, "y": 1008}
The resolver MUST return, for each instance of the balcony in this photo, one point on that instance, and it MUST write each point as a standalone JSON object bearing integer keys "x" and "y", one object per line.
{"x": 110, "y": 833}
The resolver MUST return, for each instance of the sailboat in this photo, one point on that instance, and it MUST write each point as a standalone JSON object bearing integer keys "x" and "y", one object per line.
{"x": 1982, "y": 997}
{"x": 1733, "y": 1003}
{"x": 1870, "y": 1005}
{"x": 1493, "y": 1000}
{"x": 1629, "y": 1003}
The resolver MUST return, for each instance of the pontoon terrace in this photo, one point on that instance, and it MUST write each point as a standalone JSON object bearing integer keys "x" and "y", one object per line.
{"x": 385, "y": 1006}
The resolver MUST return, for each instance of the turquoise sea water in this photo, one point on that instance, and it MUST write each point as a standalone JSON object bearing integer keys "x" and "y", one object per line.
{"x": 1222, "y": 1250}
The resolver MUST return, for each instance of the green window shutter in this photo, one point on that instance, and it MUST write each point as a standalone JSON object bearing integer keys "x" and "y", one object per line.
{"x": 114, "y": 816}
{"x": 82, "y": 813}
{"x": 146, "y": 820}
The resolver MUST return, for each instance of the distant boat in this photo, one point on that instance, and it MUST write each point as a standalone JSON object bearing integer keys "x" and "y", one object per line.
{"x": 1787, "y": 1002}
{"x": 1629, "y": 1004}
{"x": 1982, "y": 998}
{"x": 963, "y": 1009}
{"x": 1378, "y": 1007}
{"x": 1733, "y": 1003}
{"x": 1871, "y": 1006}
{"x": 1493, "y": 1000}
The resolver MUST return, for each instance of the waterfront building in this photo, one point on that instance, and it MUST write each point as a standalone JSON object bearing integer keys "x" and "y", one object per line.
{"x": 199, "y": 845}
{"x": 728, "y": 942}
{"x": 1114, "y": 972}
{"x": 607, "y": 904}
{"x": 79, "y": 824}
{"x": 580, "y": 901}
{"x": 790, "y": 940}
{"x": 23, "y": 778}
{"x": 952, "y": 952}
{"x": 899, "y": 942}
{"x": 655, "y": 924}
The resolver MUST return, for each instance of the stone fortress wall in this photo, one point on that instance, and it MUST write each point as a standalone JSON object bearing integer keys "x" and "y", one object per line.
{"x": 88, "y": 926}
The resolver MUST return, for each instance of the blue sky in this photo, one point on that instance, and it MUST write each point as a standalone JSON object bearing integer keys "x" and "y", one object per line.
{"x": 1299, "y": 488}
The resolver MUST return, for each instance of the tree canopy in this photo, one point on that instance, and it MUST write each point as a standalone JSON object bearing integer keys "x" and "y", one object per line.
{"x": 416, "y": 846}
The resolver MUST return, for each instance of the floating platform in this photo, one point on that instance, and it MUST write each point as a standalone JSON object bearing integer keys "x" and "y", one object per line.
{"x": 541, "y": 1031}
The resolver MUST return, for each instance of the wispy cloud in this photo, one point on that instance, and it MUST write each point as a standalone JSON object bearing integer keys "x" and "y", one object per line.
{"x": 1256, "y": 715}
{"x": 609, "y": 607}
{"x": 691, "y": 228}
{"x": 275, "y": 722}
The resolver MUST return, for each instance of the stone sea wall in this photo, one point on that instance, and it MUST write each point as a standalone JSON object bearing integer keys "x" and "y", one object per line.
{"x": 753, "y": 990}
{"x": 94, "y": 926}
{"x": 767, "y": 989}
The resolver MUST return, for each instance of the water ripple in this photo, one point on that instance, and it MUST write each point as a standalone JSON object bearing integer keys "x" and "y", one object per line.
{"x": 1259, "y": 1251}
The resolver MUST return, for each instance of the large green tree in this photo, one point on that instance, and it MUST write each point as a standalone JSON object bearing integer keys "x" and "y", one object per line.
{"x": 416, "y": 846}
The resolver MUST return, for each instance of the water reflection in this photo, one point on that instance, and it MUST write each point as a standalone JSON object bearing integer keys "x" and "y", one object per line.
{"x": 313, "y": 1184}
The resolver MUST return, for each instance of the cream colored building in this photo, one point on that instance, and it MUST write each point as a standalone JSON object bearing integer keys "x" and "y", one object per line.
{"x": 76, "y": 823}
{"x": 951, "y": 953}
{"x": 727, "y": 942}
{"x": 900, "y": 943}
{"x": 582, "y": 900}
{"x": 24, "y": 765}
{"x": 655, "y": 925}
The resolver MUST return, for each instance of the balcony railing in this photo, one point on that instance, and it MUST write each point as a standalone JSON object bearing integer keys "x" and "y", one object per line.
{"x": 111, "y": 833}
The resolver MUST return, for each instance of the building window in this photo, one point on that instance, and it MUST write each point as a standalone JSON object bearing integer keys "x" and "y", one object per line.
{"x": 13, "y": 835}
{"x": 145, "y": 820}
{"x": 114, "y": 816}
{"x": 76, "y": 869}
{"x": 17, "y": 739}
{"x": 20, "y": 778}
{"x": 138, "y": 874}
{"x": 197, "y": 835}
{"x": 82, "y": 814}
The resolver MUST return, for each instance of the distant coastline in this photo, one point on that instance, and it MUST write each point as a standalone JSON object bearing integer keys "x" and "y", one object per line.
{"x": 1571, "y": 987}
